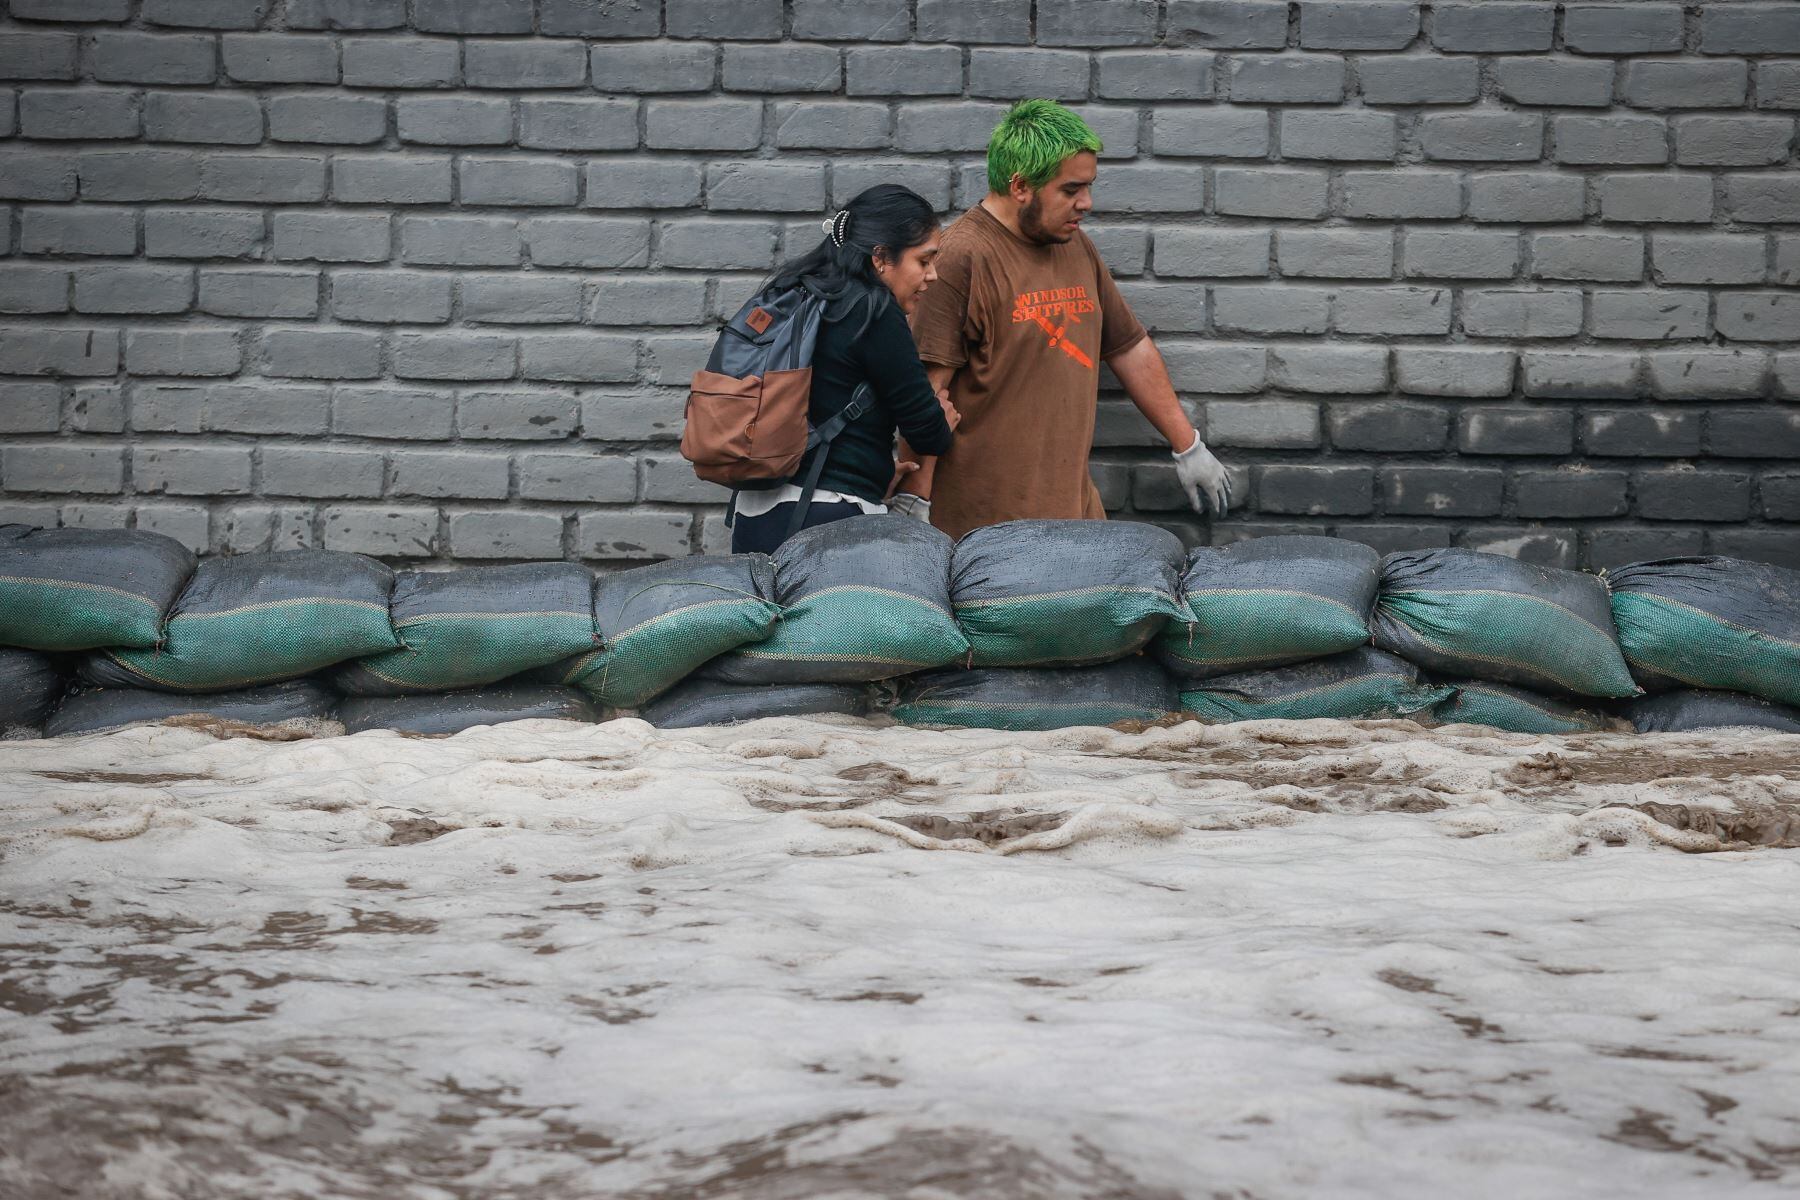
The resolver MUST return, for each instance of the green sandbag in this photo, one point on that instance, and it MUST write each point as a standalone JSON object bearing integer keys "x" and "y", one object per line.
{"x": 1363, "y": 684}
{"x": 1064, "y": 593}
{"x": 1518, "y": 710}
{"x": 659, "y": 623}
{"x": 1271, "y": 601}
{"x": 463, "y": 629}
{"x": 1710, "y": 622}
{"x": 260, "y": 618}
{"x": 82, "y": 589}
{"x": 1038, "y": 698}
{"x": 1486, "y": 616}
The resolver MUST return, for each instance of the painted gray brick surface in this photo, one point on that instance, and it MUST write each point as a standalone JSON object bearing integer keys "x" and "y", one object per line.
{"x": 426, "y": 279}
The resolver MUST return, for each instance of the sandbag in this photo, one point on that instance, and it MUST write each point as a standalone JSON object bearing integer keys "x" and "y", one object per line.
{"x": 1036, "y": 698}
{"x": 1064, "y": 593}
{"x": 1271, "y": 601}
{"x": 463, "y": 629}
{"x": 453, "y": 712}
{"x": 861, "y": 599}
{"x": 260, "y": 618}
{"x": 1712, "y": 623}
{"x": 708, "y": 702}
{"x": 1486, "y": 616}
{"x": 1360, "y": 684}
{"x": 659, "y": 623}
{"x": 81, "y": 589}
{"x": 1691, "y": 710}
{"x": 112, "y": 708}
{"x": 29, "y": 687}
{"x": 1519, "y": 710}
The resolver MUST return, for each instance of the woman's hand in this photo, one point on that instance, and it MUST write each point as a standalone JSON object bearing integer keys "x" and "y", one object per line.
{"x": 950, "y": 414}
{"x": 901, "y": 470}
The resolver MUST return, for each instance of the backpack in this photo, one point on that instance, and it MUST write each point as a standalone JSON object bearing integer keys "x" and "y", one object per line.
{"x": 747, "y": 412}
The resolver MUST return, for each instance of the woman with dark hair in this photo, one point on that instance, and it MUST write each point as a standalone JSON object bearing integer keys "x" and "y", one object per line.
{"x": 874, "y": 263}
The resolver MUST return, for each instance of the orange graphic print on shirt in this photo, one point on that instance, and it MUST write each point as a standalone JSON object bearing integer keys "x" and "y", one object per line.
{"x": 1054, "y": 311}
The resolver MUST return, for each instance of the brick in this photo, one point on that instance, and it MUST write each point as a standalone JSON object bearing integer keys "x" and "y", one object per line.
{"x": 401, "y": 63}
{"x": 346, "y": 14}
{"x": 290, "y": 295}
{"x": 1656, "y": 198}
{"x": 1215, "y": 368}
{"x": 79, "y": 230}
{"x": 199, "y": 117}
{"x": 63, "y": 469}
{"x": 632, "y": 535}
{"x": 1454, "y": 371}
{"x": 1787, "y": 376}
{"x": 588, "y": 242}
{"x": 1149, "y": 75}
{"x": 1419, "y": 79}
{"x": 1333, "y": 370}
{"x": 360, "y": 179}
{"x": 95, "y": 408}
{"x": 520, "y": 299}
{"x": 517, "y": 182}
{"x": 321, "y": 354}
{"x": 30, "y": 407}
{"x": 516, "y": 416}
{"x": 1778, "y": 85}
{"x": 1602, "y": 141}
{"x": 577, "y": 124}
{"x": 1787, "y": 260}
{"x": 649, "y": 301}
{"x": 454, "y": 120}
{"x": 340, "y": 120}
{"x": 472, "y": 16}
{"x": 151, "y": 58}
{"x": 1570, "y": 493}
{"x": 460, "y": 241}
{"x": 135, "y": 175}
{"x": 579, "y": 478}
{"x": 1461, "y": 254}
{"x": 1335, "y": 253}
{"x": 1204, "y": 253}
{"x": 1482, "y": 137}
{"x": 1339, "y": 136}
{"x": 28, "y": 175}
{"x": 1391, "y": 310}
{"x": 1578, "y": 375}
{"x": 1271, "y": 309}
{"x": 1687, "y": 495}
{"x": 391, "y": 413}
{"x": 1367, "y": 25}
{"x": 1758, "y": 199}
{"x": 645, "y": 414}
{"x": 1123, "y": 248}
{"x": 584, "y": 18}
{"x": 1707, "y": 374}
{"x": 1516, "y": 431}
{"x": 1285, "y": 79}
{"x": 1145, "y": 188}
{"x": 205, "y": 14}
{"x": 1602, "y": 256}
{"x": 673, "y": 358}
{"x": 1211, "y": 132}
{"x": 1441, "y": 491}
{"x": 1546, "y": 547}
{"x": 1622, "y": 28}
{"x": 1750, "y": 29}
{"x": 1167, "y": 307}
{"x": 454, "y": 356}
{"x": 331, "y": 237}
{"x": 167, "y": 408}
{"x": 825, "y": 125}
{"x": 1685, "y": 84}
{"x": 202, "y": 233}
{"x": 119, "y": 289}
{"x": 1316, "y": 490}
{"x": 577, "y": 358}
{"x": 279, "y": 58}
{"x": 1526, "y": 197}
{"x": 506, "y": 535}
{"x": 1753, "y": 433}
{"x": 385, "y": 532}
{"x": 641, "y": 183}
{"x": 450, "y": 474}
{"x": 703, "y": 124}
{"x": 1252, "y": 192}
{"x": 94, "y": 114}
{"x": 32, "y": 289}
{"x": 1393, "y": 195}
{"x": 791, "y": 67}
{"x": 1649, "y": 315}
{"x": 1388, "y": 536}
{"x": 190, "y": 471}
{"x": 851, "y": 177}
{"x": 1776, "y": 546}
{"x": 1557, "y": 82}
{"x": 1781, "y": 497}
{"x": 1640, "y": 434}
{"x": 1742, "y": 317}
{"x": 934, "y": 128}
{"x": 71, "y": 10}
{"x": 986, "y": 21}
{"x": 321, "y": 474}
{"x": 765, "y": 187}
{"x": 717, "y": 245}
{"x": 742, "y": 20}
{"x": 1228, "y": 24}
{"x": 654, "y": 67}
{"x": 1263, "y": 424}
{"x": 1733, "y": 141}
{"x": 1094, "y": 22}
{"x": 391, "y": 297}
{"x": 41, "y": 55}
{"x": 186, "y": 351}
{"x": 527, "y": 64}
{"x": 1617, "y": 547}
{"x": 1493, "y": 27}
{"x": 1386, "y": 427}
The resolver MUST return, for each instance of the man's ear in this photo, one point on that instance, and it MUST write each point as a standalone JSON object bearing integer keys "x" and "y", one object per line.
{"x": 1019, "y": 190}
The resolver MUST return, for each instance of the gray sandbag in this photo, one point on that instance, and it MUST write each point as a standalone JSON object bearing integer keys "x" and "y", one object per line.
{"x": 1038, "y": 698}
{"x": 259, "y": 618}
{"x": 30, "y": 685}
{"x": 1520, "y": 710}
{"x": 861, "y": 599}
{"x": 1271, "y": 601}
{"x": 453, "y": 712}
{"x": 1064, "y": 593}
{"x": 708, "y": 702}
{"x": 464, "y": 629}
{"x": 112, "y": 708}
{"x": 81, "y": 589}
{"x": 1711, "y": 622}
{"x": 1486, "y": 616}
{"x": 1692, "y": 710}
{"x": 1360, "y": 684}
{"x": 660, "y": 623}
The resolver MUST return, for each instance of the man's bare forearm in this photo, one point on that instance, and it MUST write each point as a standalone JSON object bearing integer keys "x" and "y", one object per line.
{"x": 1145, "y": 377}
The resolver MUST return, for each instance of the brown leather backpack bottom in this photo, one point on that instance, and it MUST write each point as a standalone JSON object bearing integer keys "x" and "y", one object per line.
{"x": 747, "y": 430}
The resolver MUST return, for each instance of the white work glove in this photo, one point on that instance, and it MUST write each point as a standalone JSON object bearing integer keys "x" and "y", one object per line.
{"x": 1200, "y": 472}
{"x": 908, "y": 505}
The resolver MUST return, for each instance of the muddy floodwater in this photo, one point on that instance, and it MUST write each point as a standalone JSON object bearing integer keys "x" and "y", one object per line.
{"x": 828, "y": 959}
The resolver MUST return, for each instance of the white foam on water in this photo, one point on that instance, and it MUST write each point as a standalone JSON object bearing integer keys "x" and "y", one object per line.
{"x": 828, "y": 959}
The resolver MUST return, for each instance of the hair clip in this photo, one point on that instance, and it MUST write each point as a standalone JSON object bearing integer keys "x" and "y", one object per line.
{"x": 836, "y": 227}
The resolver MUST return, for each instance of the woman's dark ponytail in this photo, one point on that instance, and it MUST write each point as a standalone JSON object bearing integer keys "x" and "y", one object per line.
{"x": 888, "y": 217}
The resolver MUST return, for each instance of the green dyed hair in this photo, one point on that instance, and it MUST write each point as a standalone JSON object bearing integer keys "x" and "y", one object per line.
{"x": 1032, "y": 140}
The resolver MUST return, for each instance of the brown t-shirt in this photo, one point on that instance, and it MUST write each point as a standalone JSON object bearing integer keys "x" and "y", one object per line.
{"x": 1027, "y": 326}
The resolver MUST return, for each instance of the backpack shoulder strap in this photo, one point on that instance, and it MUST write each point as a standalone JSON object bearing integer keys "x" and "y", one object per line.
{"x": 820, "y": 439}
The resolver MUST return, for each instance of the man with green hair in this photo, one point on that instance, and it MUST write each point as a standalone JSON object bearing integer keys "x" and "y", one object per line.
{"x": 1021, "y": 317}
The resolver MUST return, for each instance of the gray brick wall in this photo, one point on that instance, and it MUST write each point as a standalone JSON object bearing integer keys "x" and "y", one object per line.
{"x": 425, "y": 279}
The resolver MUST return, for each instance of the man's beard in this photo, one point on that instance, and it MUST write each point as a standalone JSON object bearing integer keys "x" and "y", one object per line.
{"x": 1031, "y": 224}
